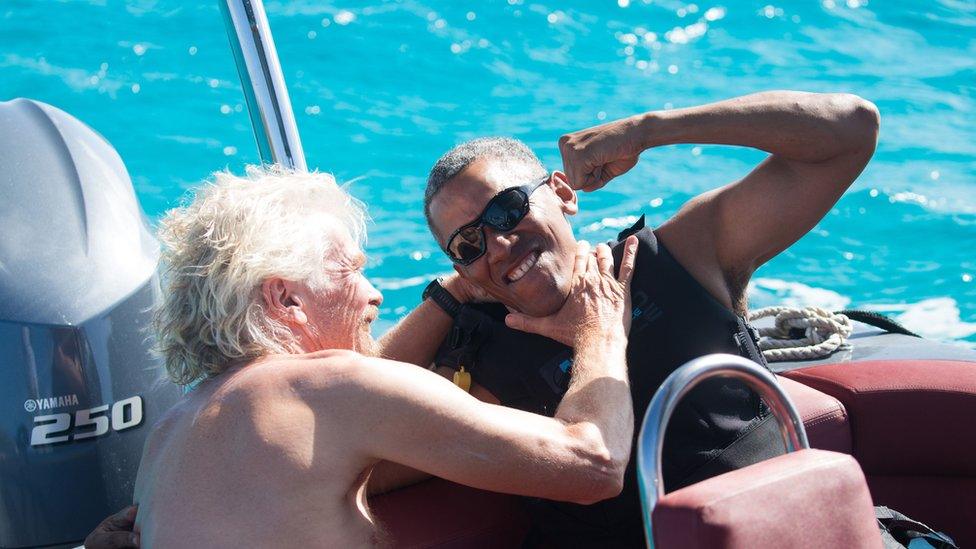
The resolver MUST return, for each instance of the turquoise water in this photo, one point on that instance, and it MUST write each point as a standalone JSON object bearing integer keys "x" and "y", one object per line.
{"x": 380, "y": 89}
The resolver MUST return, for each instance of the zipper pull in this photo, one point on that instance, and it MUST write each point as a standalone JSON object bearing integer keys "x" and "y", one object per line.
{"x": 463, "y": 379}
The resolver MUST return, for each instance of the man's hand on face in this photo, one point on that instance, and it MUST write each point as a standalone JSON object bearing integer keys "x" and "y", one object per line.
{"x": 115, "y": 532}
{"x": 598, "y": 303}
{"x": 594, "y": 156}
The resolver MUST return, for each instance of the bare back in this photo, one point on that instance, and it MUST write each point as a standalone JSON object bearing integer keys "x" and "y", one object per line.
{"x": 239, "y": 461}
{"x": 277, "y": 453}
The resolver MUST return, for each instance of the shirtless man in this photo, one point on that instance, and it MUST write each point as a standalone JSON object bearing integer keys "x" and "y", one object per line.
{"x": 268, "y": 314}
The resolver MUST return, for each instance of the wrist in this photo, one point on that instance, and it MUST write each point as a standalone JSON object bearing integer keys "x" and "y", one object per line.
{"x": 607, "y": 348}
{"x": 601, "y": 336}
{"x": 671, "y": 127}
{"x": 648, "y": 127}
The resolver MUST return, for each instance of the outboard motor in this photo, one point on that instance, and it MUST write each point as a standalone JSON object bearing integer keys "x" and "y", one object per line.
{"x": 79, "y": 388}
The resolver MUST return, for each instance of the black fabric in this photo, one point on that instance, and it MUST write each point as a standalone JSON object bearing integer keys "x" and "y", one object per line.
{"x": 715, "y": 428}
{"x": 877, "y": 320}
{"x": 898, "y": 531}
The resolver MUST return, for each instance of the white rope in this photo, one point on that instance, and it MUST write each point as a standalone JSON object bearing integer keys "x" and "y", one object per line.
{"x": 823, "y": 333}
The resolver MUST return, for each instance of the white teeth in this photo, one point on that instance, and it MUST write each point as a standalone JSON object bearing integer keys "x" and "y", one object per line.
{"x": 520, "y": 271}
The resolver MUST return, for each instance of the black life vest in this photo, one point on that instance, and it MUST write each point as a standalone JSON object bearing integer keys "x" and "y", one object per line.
{"x": 675, "y": 320}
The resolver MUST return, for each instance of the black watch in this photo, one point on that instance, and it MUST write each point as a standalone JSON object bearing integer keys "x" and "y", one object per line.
{"x": 442, "y": 297}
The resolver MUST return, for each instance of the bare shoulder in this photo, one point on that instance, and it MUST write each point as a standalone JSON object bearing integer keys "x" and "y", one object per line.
{"x": 330, "y": 378}
{"x": 274, "y": 373}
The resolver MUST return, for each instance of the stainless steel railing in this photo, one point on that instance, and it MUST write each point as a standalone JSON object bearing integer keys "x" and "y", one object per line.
{"x": 264, "y": 86}
{"x": 650, "y": 442}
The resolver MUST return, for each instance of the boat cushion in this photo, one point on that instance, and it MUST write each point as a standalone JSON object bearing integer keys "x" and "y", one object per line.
{"x": 442, "y": 514}
{"x": 824, "y": 417}
{"x": 415, "y": 516}
{"x": 908, "y": 417}
{"x": 946, "y": 504}
{"x": 810, "y": 498}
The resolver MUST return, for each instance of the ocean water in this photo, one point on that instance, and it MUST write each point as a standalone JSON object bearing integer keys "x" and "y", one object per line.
{"x": 381, "y": 89}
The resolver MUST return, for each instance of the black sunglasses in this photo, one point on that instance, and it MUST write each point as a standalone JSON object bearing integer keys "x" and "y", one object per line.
{"x": 504, "y": 212}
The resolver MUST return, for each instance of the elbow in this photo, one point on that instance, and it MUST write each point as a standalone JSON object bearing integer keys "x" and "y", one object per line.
{"x": 867, "y": 119}
{"x": 602, "y": 485}
{"x": 859, "y": 120}
{"x": 605, "y": 480}
{"x": 601, "y": 471}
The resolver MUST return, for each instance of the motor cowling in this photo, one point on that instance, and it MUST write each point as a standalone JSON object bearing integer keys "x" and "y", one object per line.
{"x": 78, "y": 277}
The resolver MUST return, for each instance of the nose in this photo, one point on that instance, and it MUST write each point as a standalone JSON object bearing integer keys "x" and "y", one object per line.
{"x": 375, "y": 297}
{"x": 499, "y": 243}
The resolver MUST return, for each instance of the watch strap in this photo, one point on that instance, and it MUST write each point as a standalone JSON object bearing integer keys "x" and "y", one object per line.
{"x": 443, "y": 298}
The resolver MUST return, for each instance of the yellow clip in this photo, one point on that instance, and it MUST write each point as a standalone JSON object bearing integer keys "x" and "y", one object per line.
{"x": 463, "y": 379}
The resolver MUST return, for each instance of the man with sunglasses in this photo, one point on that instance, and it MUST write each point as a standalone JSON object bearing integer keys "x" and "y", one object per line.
{"x": 502, "y": 220}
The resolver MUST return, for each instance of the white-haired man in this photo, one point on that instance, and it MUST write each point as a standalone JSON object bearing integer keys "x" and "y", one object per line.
{"x": 267, "y": 312}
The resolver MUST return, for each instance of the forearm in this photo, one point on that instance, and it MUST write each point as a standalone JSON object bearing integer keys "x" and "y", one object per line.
{"x": 805, "y": 127}
{"x": 415, "y": 418}
{"x": 417, "y": 336}
{"x": 599, "y": 392}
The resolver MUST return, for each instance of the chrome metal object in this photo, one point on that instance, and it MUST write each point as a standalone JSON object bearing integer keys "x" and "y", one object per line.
{"x": 265, "y": 93}
{"x": 650, "y": 442}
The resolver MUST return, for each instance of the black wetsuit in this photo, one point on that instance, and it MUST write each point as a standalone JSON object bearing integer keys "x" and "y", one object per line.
{"x": 719, "y": 426}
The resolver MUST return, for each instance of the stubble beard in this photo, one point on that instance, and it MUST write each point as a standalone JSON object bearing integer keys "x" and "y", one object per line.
{"x": 365, "y": 344}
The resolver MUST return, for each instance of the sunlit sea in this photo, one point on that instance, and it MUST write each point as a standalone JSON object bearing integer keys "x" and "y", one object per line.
{"x": 381, "y": 89}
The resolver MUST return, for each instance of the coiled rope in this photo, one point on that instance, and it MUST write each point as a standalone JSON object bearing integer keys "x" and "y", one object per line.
{"x": 801, "y": 334}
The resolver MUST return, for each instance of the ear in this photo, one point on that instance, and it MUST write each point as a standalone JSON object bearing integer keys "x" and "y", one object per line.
{"x": 283, "y": 302}
{"x": 565, "y": 193}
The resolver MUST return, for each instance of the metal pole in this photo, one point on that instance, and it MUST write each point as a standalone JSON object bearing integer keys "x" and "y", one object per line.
{"x": 650, "y": 442}
{"x": 264, "y": 86}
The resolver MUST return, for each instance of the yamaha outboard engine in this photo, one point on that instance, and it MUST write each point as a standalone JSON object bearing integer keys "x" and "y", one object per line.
{"x": 79, "y": 388}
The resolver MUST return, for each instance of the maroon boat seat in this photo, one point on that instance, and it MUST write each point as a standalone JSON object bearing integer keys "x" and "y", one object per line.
{"x": 824, "y": 417}
{"x": 442, "y": 514}
{"x": 809, "y": 498}
{"x": 912, "y": 423}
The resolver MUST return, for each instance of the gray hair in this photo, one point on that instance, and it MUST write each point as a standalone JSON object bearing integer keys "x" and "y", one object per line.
{"x": 235, "y": 234}
{"x": 456, "y": 160}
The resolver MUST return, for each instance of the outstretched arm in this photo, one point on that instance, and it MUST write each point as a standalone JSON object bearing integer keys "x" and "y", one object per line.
{"x": 819, "y": 143}
{"x": 387, "y": 476}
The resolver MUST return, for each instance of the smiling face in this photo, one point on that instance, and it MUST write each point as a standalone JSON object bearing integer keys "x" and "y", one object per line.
{"x": 530, "y": 268}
